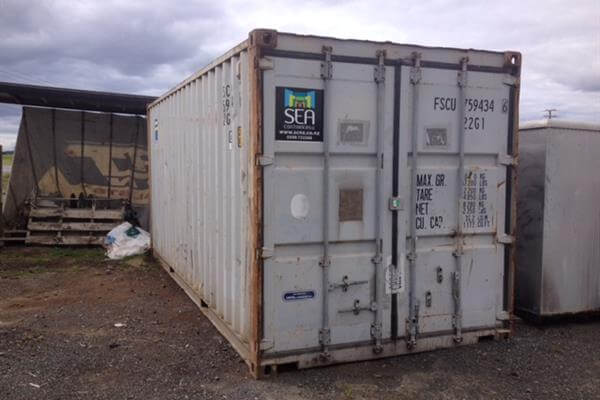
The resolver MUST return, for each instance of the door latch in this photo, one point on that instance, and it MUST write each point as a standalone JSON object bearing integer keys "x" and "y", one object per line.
{"x": 357, "y": 308}
{"x": 345, "y": 284}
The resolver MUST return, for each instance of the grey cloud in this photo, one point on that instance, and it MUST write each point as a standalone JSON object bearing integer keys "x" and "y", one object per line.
{"x": 112, "y": 47}
{"x": 147, "y": 46}
{"x": 130, "y": 39}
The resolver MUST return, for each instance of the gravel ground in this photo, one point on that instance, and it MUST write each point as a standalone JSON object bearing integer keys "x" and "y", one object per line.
{"x": 73, "y": 326}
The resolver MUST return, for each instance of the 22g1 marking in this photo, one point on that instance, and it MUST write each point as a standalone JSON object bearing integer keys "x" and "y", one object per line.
{"x": 474, "y": 123}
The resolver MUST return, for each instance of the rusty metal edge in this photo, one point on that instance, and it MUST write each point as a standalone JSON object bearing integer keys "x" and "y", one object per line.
{"x": 514, "y": 59}
{"x": 258, "y": 40}
{"x": 149, "y": 153}
{"x": 364, "y": 352}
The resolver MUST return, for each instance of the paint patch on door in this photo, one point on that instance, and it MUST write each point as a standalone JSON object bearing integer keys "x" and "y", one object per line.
{"x": 436, "y": 137}
{"x": 299, "y": 295}
{"x": 350, "y": 205}
{"x": 353, "y": 132}
{"x": 299, "y": 206}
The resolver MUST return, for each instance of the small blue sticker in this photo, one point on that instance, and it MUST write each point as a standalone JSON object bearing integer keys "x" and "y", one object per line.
{"x": 299, "y": 295}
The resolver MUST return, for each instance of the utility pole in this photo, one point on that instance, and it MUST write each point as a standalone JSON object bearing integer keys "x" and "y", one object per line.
{"x": 549, "y": 112}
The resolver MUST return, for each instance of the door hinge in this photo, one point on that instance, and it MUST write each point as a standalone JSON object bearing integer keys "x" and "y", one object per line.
{"x": 505, "y": 239}
{"x": 505, "y": 159}
{"x": 379, "y": 71}
{"x": 266, "y": 252}
{"x": 264, "y": 160}
{"x": 327, "y": 65}
{"x": 266, "y": 344}
{"x": 415, "y": 71}
{"x": 265, "y": 64}
{"x": 461, "y": 77}
{"x": 396, "y": 204}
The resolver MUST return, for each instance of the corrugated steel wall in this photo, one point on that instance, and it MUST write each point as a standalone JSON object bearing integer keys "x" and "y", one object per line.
{"x": 558, "y": 198}
{"x": 199, "y": 169}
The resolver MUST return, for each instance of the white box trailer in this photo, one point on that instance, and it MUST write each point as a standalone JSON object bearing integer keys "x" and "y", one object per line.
{"x": 558, "y": 252}
{"x": 328, "y": 200}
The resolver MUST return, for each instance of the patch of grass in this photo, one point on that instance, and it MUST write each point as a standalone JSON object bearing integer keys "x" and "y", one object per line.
{"x": 5, "y": 178}
{"x": 20, "y": 262}
{"x": 7, "y": 159}
{"x": 81, "y": 254}
{"x": 52, "y": 255}
{"x": 24, "y": 272}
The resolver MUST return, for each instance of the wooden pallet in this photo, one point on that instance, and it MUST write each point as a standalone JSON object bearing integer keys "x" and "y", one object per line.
{"x": 14, "y": 236}
{"x": 62, "y": 225}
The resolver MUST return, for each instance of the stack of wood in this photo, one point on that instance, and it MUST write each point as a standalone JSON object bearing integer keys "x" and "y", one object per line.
{"x": 62, "y": 221}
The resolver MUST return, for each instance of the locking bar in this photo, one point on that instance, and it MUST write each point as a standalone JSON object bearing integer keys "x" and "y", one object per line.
{"x": 357, "y": 308}
{"x": 345, "y": 284}
{"x": 324, "y": 333}
{"x": 462, "y": 82}
{"x": 412, "y": 323}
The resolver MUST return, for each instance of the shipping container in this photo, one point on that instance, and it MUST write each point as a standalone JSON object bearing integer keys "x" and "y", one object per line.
{"x": 327, "y": 200}
{"x": 558, "y": 222}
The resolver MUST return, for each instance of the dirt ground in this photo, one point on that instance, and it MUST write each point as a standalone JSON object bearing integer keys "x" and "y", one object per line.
{"x": 73, "y": 326}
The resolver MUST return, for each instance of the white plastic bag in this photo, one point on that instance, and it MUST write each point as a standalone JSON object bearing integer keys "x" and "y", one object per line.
{"x": 126, "y": 240}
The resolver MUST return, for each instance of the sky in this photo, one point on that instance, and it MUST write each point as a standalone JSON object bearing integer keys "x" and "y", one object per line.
{"x": 148, "y": 46}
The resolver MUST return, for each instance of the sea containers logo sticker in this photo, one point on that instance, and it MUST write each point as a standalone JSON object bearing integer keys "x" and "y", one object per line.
{"x": 299, "y": 114}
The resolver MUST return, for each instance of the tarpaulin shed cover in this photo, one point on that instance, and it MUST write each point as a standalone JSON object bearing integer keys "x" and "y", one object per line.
{"x": 62, "y": 153}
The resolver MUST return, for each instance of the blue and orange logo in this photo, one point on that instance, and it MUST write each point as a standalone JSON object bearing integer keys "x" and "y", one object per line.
{"x": 295, "y": 99}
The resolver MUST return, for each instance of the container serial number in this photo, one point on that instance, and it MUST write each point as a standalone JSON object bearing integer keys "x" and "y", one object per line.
{"x": 471, "y": 104}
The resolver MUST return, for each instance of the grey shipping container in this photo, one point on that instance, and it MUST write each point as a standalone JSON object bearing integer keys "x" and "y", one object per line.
{"x": 327, "y": 200}
{"x": 558, "y": 251}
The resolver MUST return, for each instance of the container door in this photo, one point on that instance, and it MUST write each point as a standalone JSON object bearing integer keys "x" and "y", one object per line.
{"x": 303, "y": 113}
{"x": 458, "y": 209}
